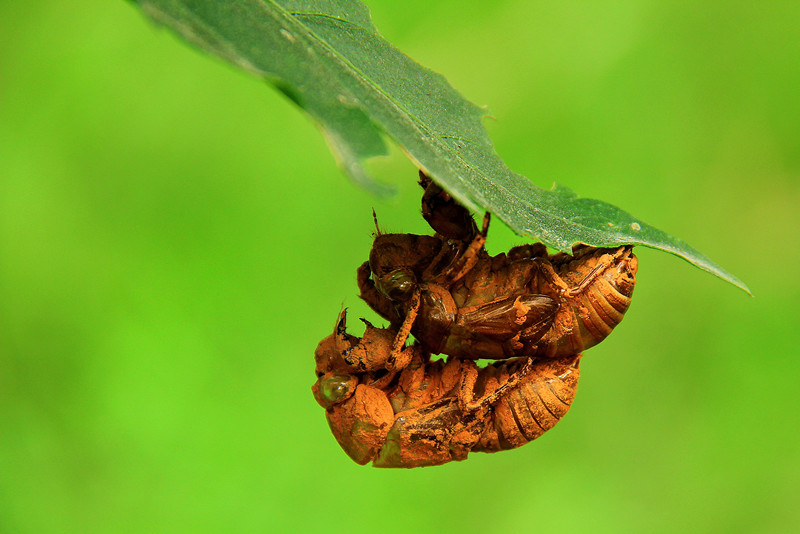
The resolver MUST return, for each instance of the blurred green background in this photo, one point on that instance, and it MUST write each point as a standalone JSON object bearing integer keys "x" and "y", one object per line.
{"x": 175, "y": 238}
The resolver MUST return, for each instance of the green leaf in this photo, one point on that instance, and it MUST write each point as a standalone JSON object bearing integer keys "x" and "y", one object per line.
{"x": 327, "y": 57}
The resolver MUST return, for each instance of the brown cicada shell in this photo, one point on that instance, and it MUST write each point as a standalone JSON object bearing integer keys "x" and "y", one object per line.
{"x": 457, "y": 300}
{"x": 429, "y": 413}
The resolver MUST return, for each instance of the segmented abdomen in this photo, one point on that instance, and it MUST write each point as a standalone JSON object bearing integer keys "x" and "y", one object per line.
{"x": 432, "y": 429}
{"x": 531, "y": 409}
{"x": 594, "y": 291}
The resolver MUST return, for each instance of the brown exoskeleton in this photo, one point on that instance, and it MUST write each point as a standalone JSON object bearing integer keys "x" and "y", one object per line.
{"x": 447, "y": 217}
{"x": 458, "y": 300}
{"x": 592, "y": 287}
{"x": 427, "y": 414}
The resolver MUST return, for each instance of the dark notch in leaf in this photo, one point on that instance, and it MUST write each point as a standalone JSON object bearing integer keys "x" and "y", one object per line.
{"x": 327, "y": 56}
{"x": 288, "y": 91}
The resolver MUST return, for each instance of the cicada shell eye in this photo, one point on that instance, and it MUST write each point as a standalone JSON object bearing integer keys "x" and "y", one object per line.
{"x": 333, "y": 389}
{"x": 397, "y": 285}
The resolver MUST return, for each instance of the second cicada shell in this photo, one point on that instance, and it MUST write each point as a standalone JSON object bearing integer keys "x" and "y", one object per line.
{"x": 430, "y": 412}
{"x": 458, "y": 300}
{"x": 522, "y": 303}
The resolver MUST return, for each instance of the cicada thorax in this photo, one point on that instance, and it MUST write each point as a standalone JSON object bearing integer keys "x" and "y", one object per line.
{"x": 405, "y": 267}
{"x": 531, "y": 408}
{"x": 430, "y": 425}
{"x": 493, "y": 313}
{"x": 593, "y": 289}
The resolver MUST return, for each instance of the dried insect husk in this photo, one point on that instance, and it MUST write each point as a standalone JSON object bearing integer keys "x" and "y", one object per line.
{"x": 584, "y": 313}
{"x": 424, "y": 416}
{"x": 566, "y": 303}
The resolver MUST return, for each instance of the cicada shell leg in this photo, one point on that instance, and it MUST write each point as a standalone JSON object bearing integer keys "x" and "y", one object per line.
{"x": 469, "y": 257}
{"x": 470, "y": 377}
{"x": 398, "y": 358}
{"x": 433, "y": 434}
{"x": 369, "y": 293}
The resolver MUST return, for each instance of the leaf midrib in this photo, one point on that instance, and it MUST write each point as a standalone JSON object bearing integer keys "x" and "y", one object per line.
{"x": 291, "y": 20}
{"x": 354, "y": 72}
{"x": 366, "y": 82}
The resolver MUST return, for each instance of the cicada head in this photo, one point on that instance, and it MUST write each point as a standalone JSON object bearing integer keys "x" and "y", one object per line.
{"x": 334, "y": 383}
{"x": 410, "y": 252}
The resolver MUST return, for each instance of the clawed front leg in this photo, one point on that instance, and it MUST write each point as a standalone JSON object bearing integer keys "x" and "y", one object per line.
{"x": 369, "y": 293}
{"x": 606, "y": 261}
{"x": 469, "y": 257}
{"x": 398, "y": 358}
{"x": 466, "y": 399}
{"x": 368, "y": 354}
